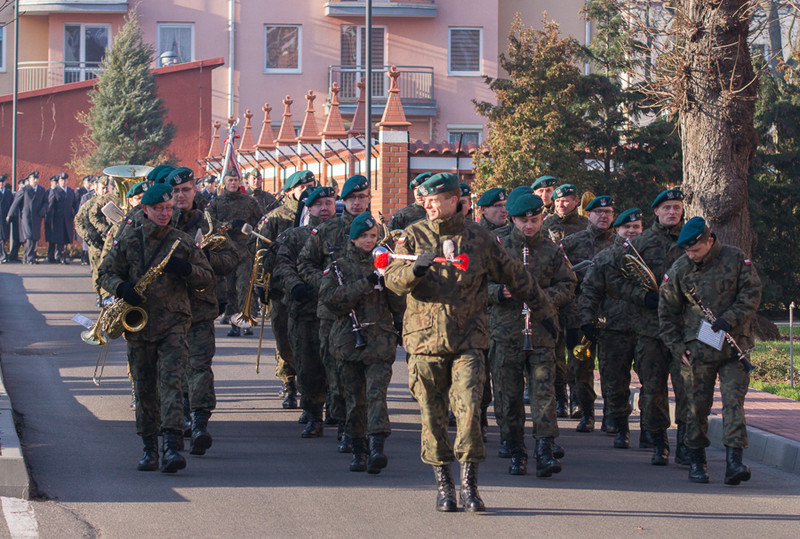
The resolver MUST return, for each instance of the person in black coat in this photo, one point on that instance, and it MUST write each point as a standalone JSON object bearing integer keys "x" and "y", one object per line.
{"x": 54, "y": 199}
{"x": 62, "y": 207}
{"x": 9, "y": 229}
{"x": 30, "y": 201}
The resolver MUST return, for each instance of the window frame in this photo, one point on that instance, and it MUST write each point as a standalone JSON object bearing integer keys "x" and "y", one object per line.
{"x": 452, "y": 73}
{"x": 4, "y": 47}
{"x": 160, "y": 25}
{"x": 282, "y": 70}
{"x": 466, "y": 129}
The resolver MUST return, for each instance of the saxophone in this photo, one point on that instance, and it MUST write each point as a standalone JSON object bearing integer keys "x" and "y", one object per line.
{"x": 213, "y": 241}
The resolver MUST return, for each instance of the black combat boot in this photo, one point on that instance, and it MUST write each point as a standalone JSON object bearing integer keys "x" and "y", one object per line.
{"x": 484, "y": 425}
{"x": 622, "y": 440}
{"x": 445, "y": 489}
{"x": 546, "y": 465}
{"x": 561, "y": 402}
{"x": 187, "y": 417}
{"x": 359, "y": 462}
{"x": 645, "y": 439}
{"x": 519, "y": 460}
{"x": 660, "y": 449}
{"x": 149, "y": 462}
{"x": 303, "y": 419}
{"x": 608, "y": 424}
{"x": 171, "y": 459}
{"x": 201, "y": 439}
{"x": 574, "y": 407}
{"x": 470, "y": 498}
{"x": 377, "y": 458}
{"x": 345, "y": 442}
{"x": 247, "y": 331}
{"x": 234, "y": 332}
{"x": 681, "y": 451}
{"x": 735, "y": 471}
{"x": 505, "y": 449}
{"x": 290, "y": 394}
{"x": 586, "y": 424}
{"x": 314, "y": 426}
{"x": 558, "y": 450}
{"x": 698, "y": 473}
{"x": 133, "y": 396}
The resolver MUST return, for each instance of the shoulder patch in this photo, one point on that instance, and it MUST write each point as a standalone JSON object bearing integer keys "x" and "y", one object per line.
{"x": 326, "y": 271}
{"x": 666, "y": 277}
{"x": 314, "y": 231}
{"x": 499, "y": 240}
{"x": 115, "y": 242}
{"x": 401, "y": 241}
{"x": 747, "y": 262}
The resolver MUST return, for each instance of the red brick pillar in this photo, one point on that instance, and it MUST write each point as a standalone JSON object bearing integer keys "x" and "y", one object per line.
{"x": 390, "y": 194}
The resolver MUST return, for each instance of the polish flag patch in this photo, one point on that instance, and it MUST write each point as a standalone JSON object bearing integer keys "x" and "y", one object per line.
{"x": 314, "y": 231}
{"x": 326, "y": 271}
{"x": 747, "y": 262}
{"x": 666, "y": 277}
{"x": 401, "y": 241}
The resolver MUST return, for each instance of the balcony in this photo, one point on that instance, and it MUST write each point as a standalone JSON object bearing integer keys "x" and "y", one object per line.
{"x": 415, "y": 84}
{"x": 73, "y": 6}
{"x": 381, "y": 8}
{"x": 36, "y": 75}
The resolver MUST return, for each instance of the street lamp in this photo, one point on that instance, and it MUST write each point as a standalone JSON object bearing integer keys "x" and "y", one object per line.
{"x": 168, "y": 58}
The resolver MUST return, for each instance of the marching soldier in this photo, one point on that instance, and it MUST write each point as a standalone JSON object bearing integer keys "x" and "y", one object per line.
{"x": 92, "y": 226}
{"x": 512, "y": 361}
{"x": 723, "y": 280}
{"x": 313, "y": 260}
{"x": 272, "y": 225}
{"x": 158, "y": 352}
{"x": 301, "y": 298}
{"x": 543, "y": 188}
{"x": 445, "y": 330}
{"x": 616, "y": 340}
{"x": 413, "y": 212}
{"x": 466, "y": 201}
{"x": 578, "y": 247}
{"x": 493, "y": 208}
{"x": 254, "y": 189}
{"x": 354, "y": 291}
{"x": 658, "y": 249}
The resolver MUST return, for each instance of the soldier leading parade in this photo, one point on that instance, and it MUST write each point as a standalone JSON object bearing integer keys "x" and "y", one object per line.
{"x": 510, "y": 299}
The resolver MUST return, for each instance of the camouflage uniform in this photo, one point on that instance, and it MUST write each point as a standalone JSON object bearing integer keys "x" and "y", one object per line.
{"x": 511, "y": 365}
{"x": 616, "y": 341}
{"x": 271, "y": 226}
{"x": 658, "y": 247}
{"x": 265, "y": 200}
{"x": 313, "y": 259}
{"x": 93, "y": 229}
{"x": 491, "y": 227}
{"x": 407, "y": 216}
{"x": 367, "y": 371}
{"x": 158, "y": 352}
{"x": 728, "y": 285}
{"x": 445, "y": 328}
{"x": 578, "y": 247}
{"x": 303, "y": 324}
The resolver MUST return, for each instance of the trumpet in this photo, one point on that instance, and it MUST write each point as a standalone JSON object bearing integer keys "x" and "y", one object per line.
{"x": 245, "y": 319}
{"x": 583, "y": 351}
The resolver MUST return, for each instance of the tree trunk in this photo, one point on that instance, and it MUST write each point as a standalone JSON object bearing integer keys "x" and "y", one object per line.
{"x": 716, "y": 115}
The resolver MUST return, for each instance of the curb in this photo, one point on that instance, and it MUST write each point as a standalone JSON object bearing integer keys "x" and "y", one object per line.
{"x": 14, "y": 480}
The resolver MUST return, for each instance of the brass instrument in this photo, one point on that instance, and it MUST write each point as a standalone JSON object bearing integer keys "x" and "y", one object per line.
{"x": 124, "y": 177}
{"x": 635, "y": 269}
{"x": 213, "y": 241}
{"x": 583, "y": 352}
{"x": 389, "y": 237}
{"x": 357, "y": 327}
{"x": 245, "y": 319}
{"x": 526, "y": 311}
{"x": 587, "y": 197}
{"x": 741, "y": 354}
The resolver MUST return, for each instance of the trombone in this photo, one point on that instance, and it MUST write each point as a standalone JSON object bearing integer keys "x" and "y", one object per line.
{"x": 245, "y": 319}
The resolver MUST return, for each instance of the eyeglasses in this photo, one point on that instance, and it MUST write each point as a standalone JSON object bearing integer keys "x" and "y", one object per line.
{"x": 604, "y": 212}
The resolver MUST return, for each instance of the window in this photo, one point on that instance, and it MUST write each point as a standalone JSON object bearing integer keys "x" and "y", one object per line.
{"x": 84, "y": 48}
{"x": 464, "y": 56}
{"x": 177, "y": 38}
{"x": 282, "y": 50}
{"x": 353, "y": 57}
{"x": 3, "y": 49}
{"x": 465, "y": 134}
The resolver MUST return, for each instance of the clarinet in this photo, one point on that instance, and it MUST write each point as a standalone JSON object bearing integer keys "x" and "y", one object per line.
{"x": 360, "y": 342}
{"x": 742, "y": 356}
{"x": 526, "y": 311}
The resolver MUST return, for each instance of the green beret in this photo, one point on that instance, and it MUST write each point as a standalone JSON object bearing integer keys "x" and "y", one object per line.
{"x": 544, "y": 181}
{"x": 320, "y": 192}
{"x": 159, "y": 192}
{"x": 354, "y": 184}
{"x": 102, "y": 180}
{"x": 438, "y": 183}
{"x": 496, "y": 194}
{"x": 361, "y": 224}
{"x": 518, "y": 192}
{"x": 691, "y": 232}
{"x": 179, "y": 176}
{"x": 526, "y": 206}
{"x": 137, "y": 189}
{"x": 418, "y": 179}
{"x": 564, "y": 190}
{"x": 628, "y": 216}
{"x": 159, "y": 173}
{"x": 301, "y": 177}
{"x": 465, "y": 189}
{"x": 668, "y": 195}
{"x": 603, "y": 201}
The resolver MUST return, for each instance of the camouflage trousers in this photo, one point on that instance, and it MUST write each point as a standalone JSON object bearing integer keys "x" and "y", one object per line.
{"x": 561, "y": 361}
{"x": 238, "y": 283}
{"x": 580, "y": 376}
{"x": 511, "y": 366}
{"x": 486, "y": 400}
{"x": 285, "y": 367}
{"x": 94, "y": 263}
{"x": 304, "y": 338}
{"x": 699, "y": 380}
{"x": 455, "y": 380}
{"x": 199, "y": 376}
{"x": 615, "y": 352}
{"x": 157, "y": 368}
{"x": 365, "y": 388}
{"x": 655, "y": 365}
{"x": 336, "y": 406}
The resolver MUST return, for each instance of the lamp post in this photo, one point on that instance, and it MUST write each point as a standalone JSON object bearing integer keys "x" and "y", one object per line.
{"x": 368, "y": 100}
{"x": 15, "y": 99}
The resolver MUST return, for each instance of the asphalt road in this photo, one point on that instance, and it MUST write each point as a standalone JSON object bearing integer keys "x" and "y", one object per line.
{"x": 261, "y": 479}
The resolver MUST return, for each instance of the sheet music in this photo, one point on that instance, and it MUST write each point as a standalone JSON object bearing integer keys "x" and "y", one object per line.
{"x": 706, "y": 335}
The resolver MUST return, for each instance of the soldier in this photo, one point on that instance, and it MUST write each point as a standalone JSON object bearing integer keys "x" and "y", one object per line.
{"x": 158, "y": 352}
{"x": 445, "y": 329}
{"x": 30, "y": 201}
{"x": 255, "y": 189}
{"x": 85, "y": 193}
{"x": 513, "y": 362}
{"x": 354, "y": 291}
{"x": 209, "y": 190}
{"x": 578, "y": 247}
{"x": 313, "y": 260}
{"x": 7, "y": 231}
{"x": 301, "y": 298}
{"x": 466, "y": 201}
{"x": 724, "y": 281}
{"x": 198, "y": 381}
{"x": 413, "y": 212}
{"x": 658, "y": 248}
{"x": 86, "y": 221}
{"x": 271, "y": 227}
{"x": 493, "y": 208}
{"x": 616, "y": 339}
{"x": 234, "y": 208}
{"x": 543, "y": 188}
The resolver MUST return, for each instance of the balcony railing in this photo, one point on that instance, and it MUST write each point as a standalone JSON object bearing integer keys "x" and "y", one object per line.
{"x": 415, "y": 83}
{"x": 381, "y": 8}
{"x": 36, "y": 75}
